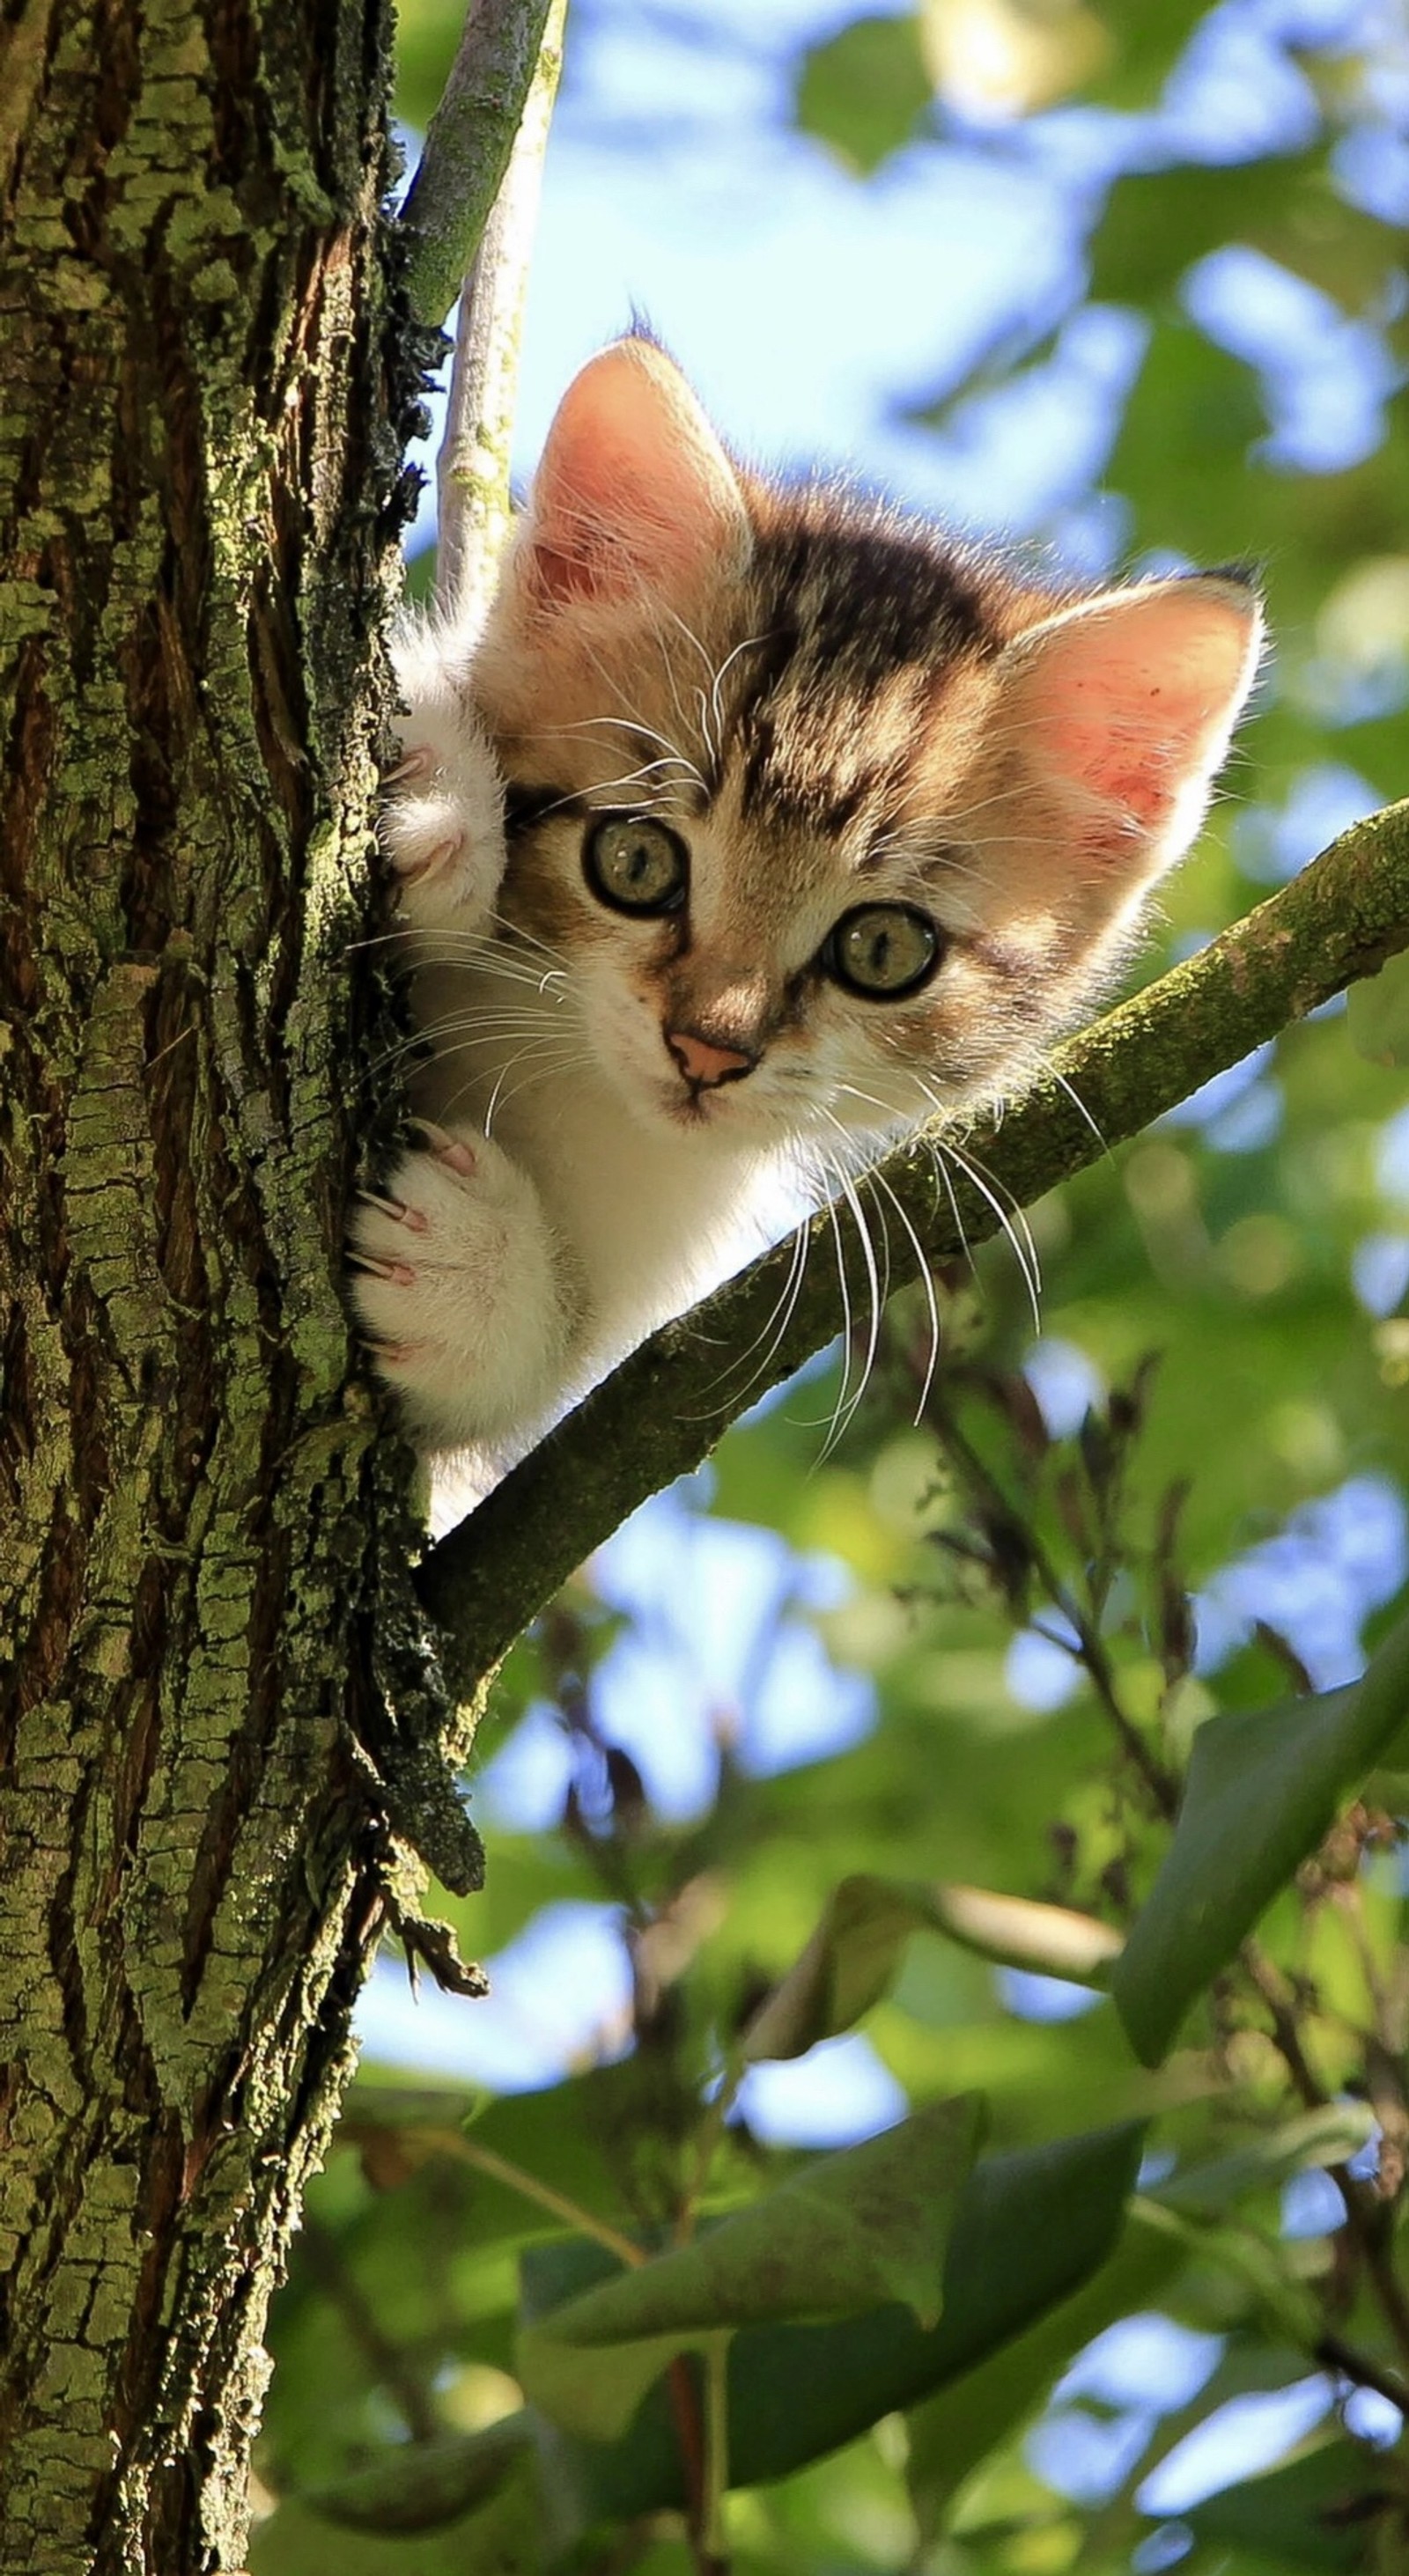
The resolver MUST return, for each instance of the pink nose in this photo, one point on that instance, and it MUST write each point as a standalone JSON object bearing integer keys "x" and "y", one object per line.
{"x": 704, "y": 1064}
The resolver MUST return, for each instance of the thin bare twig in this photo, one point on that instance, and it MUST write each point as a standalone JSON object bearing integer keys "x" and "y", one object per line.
{"x": 472, "y": 470}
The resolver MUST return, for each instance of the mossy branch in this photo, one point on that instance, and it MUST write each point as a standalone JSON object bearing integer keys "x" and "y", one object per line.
{"x": 662, "y": 1411}
{"x": 468, "y": 143}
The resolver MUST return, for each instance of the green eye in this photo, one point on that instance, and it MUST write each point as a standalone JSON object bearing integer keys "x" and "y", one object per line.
{"x": 882, "y": 949}
{"x": 636, "y": 864}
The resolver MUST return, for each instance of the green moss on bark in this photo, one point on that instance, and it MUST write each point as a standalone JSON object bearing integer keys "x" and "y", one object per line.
{"x": 196, "y": 550}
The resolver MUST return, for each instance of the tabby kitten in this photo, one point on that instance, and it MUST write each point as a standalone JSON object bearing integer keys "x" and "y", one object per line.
{"x": 815, "y": 823}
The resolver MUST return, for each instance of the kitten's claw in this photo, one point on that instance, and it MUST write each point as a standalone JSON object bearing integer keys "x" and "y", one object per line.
{"x": 414, "y": 1219}
{"x": 471, "y": 1330}
{"x": 448, "y": 1149}
{"x": 440, "y": 861}
{"x": 376, "y": 1265}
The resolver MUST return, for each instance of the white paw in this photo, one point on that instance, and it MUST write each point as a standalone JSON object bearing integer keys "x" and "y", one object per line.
{"x": 455, "y": 1281}
{"x": 442, "y": 822}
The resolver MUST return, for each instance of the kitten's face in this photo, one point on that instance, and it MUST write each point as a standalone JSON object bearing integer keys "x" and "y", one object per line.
{"x": 833, "y": 823}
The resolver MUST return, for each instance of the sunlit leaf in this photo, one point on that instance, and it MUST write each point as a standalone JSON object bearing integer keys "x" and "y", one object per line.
{"x": 864, "y": 90}
{"x": 1263, "y": 1787}
{"x": 1004, "y": 56}
{"x": 1324, "y": 2137}
{"x": 427, "y": 33}
{"x": 852, "y": 1957}
{"x": 841, "y": 2236}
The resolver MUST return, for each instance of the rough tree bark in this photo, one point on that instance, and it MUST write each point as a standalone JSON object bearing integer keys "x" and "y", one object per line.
{"x": 198, "y": 458}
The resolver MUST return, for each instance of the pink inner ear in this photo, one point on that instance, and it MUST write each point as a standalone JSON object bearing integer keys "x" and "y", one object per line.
{"x": 634, "y": 488}
{"x": 1131, "y": 702}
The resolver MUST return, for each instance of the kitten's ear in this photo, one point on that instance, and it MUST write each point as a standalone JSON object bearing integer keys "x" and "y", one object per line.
{"x": 634, "y": 490}
{"x": 1122, "y": 709}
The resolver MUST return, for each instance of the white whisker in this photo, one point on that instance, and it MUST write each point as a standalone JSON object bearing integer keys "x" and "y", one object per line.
{"x": 1024, "y": 1249}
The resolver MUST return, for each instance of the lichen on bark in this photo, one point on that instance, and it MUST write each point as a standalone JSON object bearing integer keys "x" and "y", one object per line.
{"x": 199, "y": 432}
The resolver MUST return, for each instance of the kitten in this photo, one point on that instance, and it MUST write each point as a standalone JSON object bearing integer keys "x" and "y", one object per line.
{"x": 815, "y": 823}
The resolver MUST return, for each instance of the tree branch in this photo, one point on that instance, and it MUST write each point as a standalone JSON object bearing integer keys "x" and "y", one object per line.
{"x": 662, "y": 1411}
{"x": 472, "y": 469}
{"x": 468, "y": 143}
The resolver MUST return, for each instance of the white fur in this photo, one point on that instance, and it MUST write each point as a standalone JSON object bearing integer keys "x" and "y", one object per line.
{"x": 495, "y": 1295}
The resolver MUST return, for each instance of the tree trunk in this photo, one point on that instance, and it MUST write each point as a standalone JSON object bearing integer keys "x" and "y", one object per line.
{"x": 198, "y": 460}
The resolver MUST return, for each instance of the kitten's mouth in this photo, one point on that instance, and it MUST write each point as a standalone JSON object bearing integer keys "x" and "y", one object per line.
{"x": 690, "y": 1108}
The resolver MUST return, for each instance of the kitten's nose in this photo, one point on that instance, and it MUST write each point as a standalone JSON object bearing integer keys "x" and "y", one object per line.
{"x": 704, "y": 1064}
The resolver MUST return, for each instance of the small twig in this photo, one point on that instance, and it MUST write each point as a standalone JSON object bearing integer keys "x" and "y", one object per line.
{"x": 452, "y": 2142}
{"x": 1337, "y": 2354}
{"x": 689, "y": 2433}
{"x": 1089, "y": 1649}
{"x": 468, "y": 143}
{"x": 1368, "y": 2220}
{"x": 716, "y": 2454}
{"x": 472, "y": 471}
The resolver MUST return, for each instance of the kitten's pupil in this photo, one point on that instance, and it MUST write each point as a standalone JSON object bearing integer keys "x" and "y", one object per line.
{"x": 882, "y": 950}
{"x": 636, "y": 864}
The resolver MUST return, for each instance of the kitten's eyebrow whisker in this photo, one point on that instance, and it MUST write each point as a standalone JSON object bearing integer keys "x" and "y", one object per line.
{"x": 669, "y": 669}
{"x": 749, "y": 645}
{"x": 628, "y": 724}
{"x": 651, "y": 731}
{"x": 660, "y": 790}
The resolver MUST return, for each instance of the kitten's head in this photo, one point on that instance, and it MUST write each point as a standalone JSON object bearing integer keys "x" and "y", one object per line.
{"x": 834, "y": 821}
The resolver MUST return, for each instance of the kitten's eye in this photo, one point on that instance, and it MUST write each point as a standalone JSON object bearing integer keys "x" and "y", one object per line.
{"x": 882, "y": 949}
{"x": 636, "y": 864}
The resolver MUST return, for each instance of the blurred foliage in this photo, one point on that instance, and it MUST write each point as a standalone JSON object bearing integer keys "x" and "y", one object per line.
{"x": 866, "y": 2344}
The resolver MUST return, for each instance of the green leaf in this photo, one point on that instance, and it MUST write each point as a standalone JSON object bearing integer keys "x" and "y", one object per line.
{"x": 1156, "y": 224}
{"x": 1331, "y": 2509}
{"x": 1262, "y": 1790}
{"x": 427, "y": 33}
{"x": 1325, "y": 2137}
{"x": 952, "y": 2432}
{"x": 864, "y": 90}
{"x": 853, "y": 1955}
{"x": 497, "y": 2535}
{"x": 423, "y": 2485}
{"x": 1029, "y": 2230}
{"x": 1148, "y": 44}
{"x": 1378, "y": 1014}
{"x": 843, "y": 2235}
